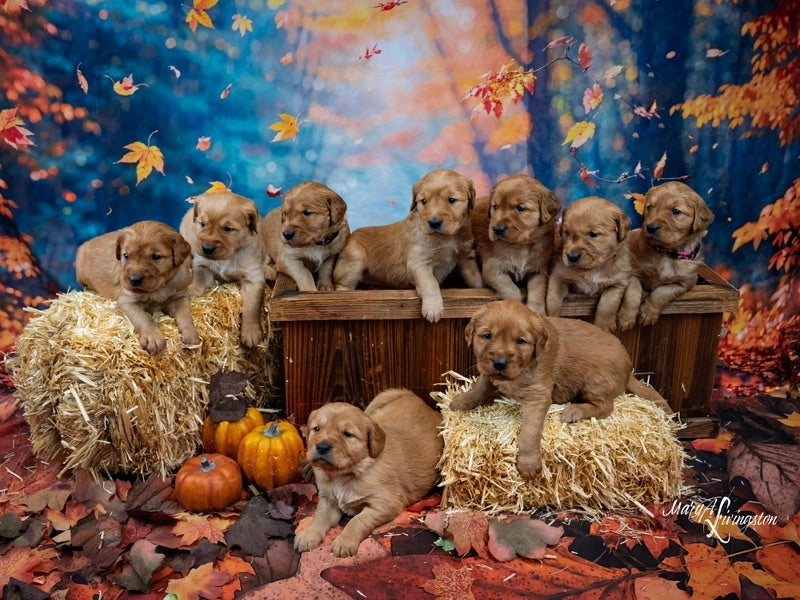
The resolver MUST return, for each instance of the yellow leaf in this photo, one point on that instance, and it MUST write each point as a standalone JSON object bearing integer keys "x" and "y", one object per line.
{"x": 287, "y": 128}
{"x": 638, "y": 201}
{"x": 718, "y": 526}
{"x": 146, "y": 158}
{"x": 191, "y": 528}
{"x": 218, "y": 186}
{"x": 202, "y": 582}
{"x": 793, "y": 420}
{"x": 125, "y": 87}
{"x": 579, "y": 134}
{"x": 242, "y": 24}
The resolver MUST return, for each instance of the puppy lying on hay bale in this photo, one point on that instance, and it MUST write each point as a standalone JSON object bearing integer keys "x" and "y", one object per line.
{"x": 620, "y": 463}
{"x": 95, "y": 399}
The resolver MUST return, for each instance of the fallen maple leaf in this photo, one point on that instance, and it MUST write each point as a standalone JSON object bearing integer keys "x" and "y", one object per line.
{"x": 202, "y": 582}
{"x": 11, "y": 131}
{"x": 659, "y": 170}
{"x": 143, "y": 560}
{"x": 287, "y": 128}
{"x": 579, "y": 134}
{"x": 81, "y": 79}
{"x": 203, "y": 143}
{"x": 233, "y": 566}
{"x": 73, "y": 512}
{"x": 592, "y": 97}
{"x": 521, "y": 536}
{"x": 718, "y": 526}
{"x": 792, "y": 420}
{"x": 125, "y": 87}
{"x": 584, "y": 57}
{"x": 710, "y": 572}
{"x": 25, "y": 563}
{"x": 146, "y": 158}
{"x": 198, "y": 15}
{"x": 716, "y": 445}
{"x": 192, "y": 528}
{"x": 450, "y": 583}
{"x": 586, "y": 177}
{"x": 242, "y": 24}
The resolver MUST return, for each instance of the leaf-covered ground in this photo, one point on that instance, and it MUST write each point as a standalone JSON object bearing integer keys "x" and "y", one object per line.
{"x": 738, "y": 536}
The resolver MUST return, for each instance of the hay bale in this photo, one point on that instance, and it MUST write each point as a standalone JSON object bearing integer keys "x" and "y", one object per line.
{"x": 95, "y": 400}
{"x": 621, "y": 463}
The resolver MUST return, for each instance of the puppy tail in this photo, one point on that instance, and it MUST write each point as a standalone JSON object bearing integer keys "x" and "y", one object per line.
{"x": 634, "y": 386}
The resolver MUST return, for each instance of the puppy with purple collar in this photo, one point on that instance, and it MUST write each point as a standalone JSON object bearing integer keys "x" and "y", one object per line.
{"x": 667, "y": 249}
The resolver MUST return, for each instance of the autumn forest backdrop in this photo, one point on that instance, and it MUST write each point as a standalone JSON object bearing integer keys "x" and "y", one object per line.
{"x": 113, "y": 112}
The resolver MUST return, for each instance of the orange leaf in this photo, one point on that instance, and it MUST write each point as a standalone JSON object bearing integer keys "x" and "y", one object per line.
{"x": 592, "y": 97}
{"x": 233, "y": 566}
{"x": 81, "y": 79}
{"x": 287, "y": 128}
{"x": 717, "y": 526}
{"x": 584, "y": 57}
{"x": 224, "y": 93}
{"x": 73, "y": 512}
{"x": 10, "y": 130}
{"x": 722, "y": 442}
{"x": 793, "y": 420}
{"x": 15, "y": 6}
{"x": 638, "y": 201}
{"x": 198, "y": 16}
{"x": 469, "y": 530}
{"x": 585, "y": 175}
{"x": 287, "y": 58}
{"x": 203, "y": 143}
{"x": 749, "y": 232}
{"x": 193, "y": 528}
{"x": 202, "y": 582}
{"x": 218, "y": 186}
{"x": 710, "y": 572}
{"x": 579, "y": 134}
{"x": 450, "y": 583}
{"x": 659, "y": 170}
{"x": 24, "y": 563}
{"x": 146, "y": 158}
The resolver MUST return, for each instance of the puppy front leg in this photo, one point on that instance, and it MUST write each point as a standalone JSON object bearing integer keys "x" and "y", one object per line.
{"x": 428, "y": 290}
{"x": 180, "y": 311}
{"x": 150, "y": 336}
{"x": 529, "y": 454}
{"x": 626, "y": 318}
{"x": 325, "y": 275}
{"x": 202, "y": 279}
{"x": 500, "y": 281}
{"x": 297, "y": 271}
{"x": 605, "y": 315}
{"x": 326, "y": 516}
{"x": 468, "y": 268}
{"x": 252, "y": 295}
{"x": 360, "y": 526}
{"x": 480, "y": 393}
{"x": 350, "y": 265}
{"x": 657, "y": 300}
{"x": 537, "y": 293}
{"x": 557, "y": 290}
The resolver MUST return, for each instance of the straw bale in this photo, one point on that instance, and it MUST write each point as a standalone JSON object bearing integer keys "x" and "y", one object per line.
{"x": 621, "y": 463}
{"x": 95, "y": 399}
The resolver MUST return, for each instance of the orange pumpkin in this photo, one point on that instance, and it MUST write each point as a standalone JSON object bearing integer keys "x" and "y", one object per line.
{"x": 224, "y": 437}
{"x": 208, "y": 482}
{"x": 269, "y": 456}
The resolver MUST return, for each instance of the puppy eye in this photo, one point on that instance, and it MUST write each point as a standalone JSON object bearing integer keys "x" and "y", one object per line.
{"x": 155, "y": 256}
{"x": 676, "y": 211}
{"x": 347, "y": 434}
{"x": 521, "y": 341}
{"x": 452, "y": 200}
{"x": 521, "y": 208}
{"x": 227, "y": 229}
{"x": 648, "y": 207}
{"x": 486, "y": 335}
{"x": 125, "y": 255}
{"x": 422, "y": 201}
{"x": 307, "y": 213}
{"x": 201, "y": 224}
{"x": 593, "y": 234}
{"x": 315, "y": 428}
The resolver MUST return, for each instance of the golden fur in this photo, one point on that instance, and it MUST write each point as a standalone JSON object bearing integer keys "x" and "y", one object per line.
{"x": 223, "y": 231}
{"x": 305, "y": 234}
{"x": 593, "y": 258}
{"x": 513, "y": 229}
{"x": 369, "y": 465}
{"x": 144, "y": 267}
{"x": 675, "y": 220}
{"x": 421, "y": 250}
{"x": 541, "y": 360}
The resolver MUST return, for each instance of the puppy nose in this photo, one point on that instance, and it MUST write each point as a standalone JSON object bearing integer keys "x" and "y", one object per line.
{"x": 323, "y": 448}
{"x": 499, "y": 230}
{"x": 573, "y": 257}
{"x": 208, "y": 249}
{"x": 500, "y": 364}
{"x": 288, "y": 234}
{"x": 434, "y": 224}
{"x": 135, "y": 280}
{"x": 653, "y": 227}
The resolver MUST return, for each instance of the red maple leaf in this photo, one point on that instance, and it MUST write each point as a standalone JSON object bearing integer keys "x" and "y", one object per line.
{"x": 584, "y": 57}
{"x": 585, "y": 175}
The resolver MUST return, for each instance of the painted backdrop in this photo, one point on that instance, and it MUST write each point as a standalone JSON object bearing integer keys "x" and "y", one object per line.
{"x": 117, "y": 111}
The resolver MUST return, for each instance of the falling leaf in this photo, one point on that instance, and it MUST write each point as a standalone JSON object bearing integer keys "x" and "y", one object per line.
{"x": 764, "y": 168}
{"x": 584, "y": 57}
{"x": 647, "y": 113}
{"x": 521, "y": 536}
{"x": 13, "y": 7}
{"x": 193, "y": 528}
{"x": 286, "y": 128}
{"x": 273, "y": 191}
{"x": 715, "y": 53}
{"x": 125, "y": 87}
{"x": 81, "y": 79}
{"x": 694, "y": 149}
{"x": 175, "y": 71}
{"x": 510, "y": 81}
{"x": 579, "y": 134}
{"x": 585, "y": 175}
{"x": 449, "y": 583}
{"x": 370, "y": 53}
{"x": 11, "y": 131}
{"x": 659, "y": 170}
{"x": 242, "y": 24}
{"x": 203, "y": 143}
{"x": 638, "y": 201}
{"x": 146, "y": 158}
{"x": 189, "y": 180}
{"x": 202, "y": 582}
{"x": 387, "y": 6}
{"x": 562, "y": 41}
{"x": 198, "y": 15}
{"x": 610, "y": 74}
{"x": 224, "y": 93}
{"x": 670, "y": 54}
{"x": 218, "y": 186}
{"x": 287, "y": 58}
{"x": 592, "y": 97}
{"x": 723, "y": 442}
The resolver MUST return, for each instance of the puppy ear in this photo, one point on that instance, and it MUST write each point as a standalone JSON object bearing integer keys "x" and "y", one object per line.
{"x": 336, "y": 208}
{"x": 702, "y": 215}
{"x": 180, "y": 249}
{"x": 469, "y": 330}
{"x": 120, "y": 242}
{"x": 376, "y": 439}
{"x": 194, "y": 208}
{"x": 549, "y": 206}
{"x": 252, "y": 219}
{"x": 414, "y": 191}
{"x": 541, "y": 335}
{"x": 622, "y": 222}
{"x": 470, "y": 193}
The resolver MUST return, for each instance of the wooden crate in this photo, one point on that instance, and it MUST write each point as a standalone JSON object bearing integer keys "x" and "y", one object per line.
{"x": 348, "y": 346}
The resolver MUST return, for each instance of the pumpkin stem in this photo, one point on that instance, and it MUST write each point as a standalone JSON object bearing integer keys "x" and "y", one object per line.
{"x": 206, "y": 465}
{"x": 272, "y": 430}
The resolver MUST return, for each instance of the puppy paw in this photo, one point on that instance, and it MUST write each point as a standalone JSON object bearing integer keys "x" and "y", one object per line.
{"x": 345, "y": 545}
{"x": 152, "y": 340}
{"x": 649, "y": 313}
{"x": 191, "y": 340}
{"x": 626, "y": 321}
{"x": 465, "y": 401}
{"x": 606, "y": 323}
{"x": 529, "y": 466}
{"x": 308, "y": 539}
{"x": 572, "y": 413}
{"x": 537, "y": 307}
{"x": 325, "y": 286}
{"x": 433, "y": 308}
{"x": 251, "y": 336}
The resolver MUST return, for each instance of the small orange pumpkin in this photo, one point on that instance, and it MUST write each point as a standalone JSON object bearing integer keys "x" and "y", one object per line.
{"x": 224, "y": 437}
{"x": 269, "y": 456}
{"x": 208, "y": 482}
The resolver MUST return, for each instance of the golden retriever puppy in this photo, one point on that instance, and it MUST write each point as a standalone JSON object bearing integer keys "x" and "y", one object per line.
{"x": 541, "y": 360}
{"x": 305, "y": 234}
{"x": 369, "y": 465}
{"x": 421, "y": 250}
{"x": 513, "y": 229}
{"x": 666, "y": 250}
{"x": 223, "y": 231}
{"x": 593, "y": 258}
{"x": 144, "y": 267}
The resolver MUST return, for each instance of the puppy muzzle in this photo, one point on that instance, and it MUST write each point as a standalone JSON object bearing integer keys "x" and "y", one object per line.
{"x": 435, "y": 225}
{"x": 208, "y": 250}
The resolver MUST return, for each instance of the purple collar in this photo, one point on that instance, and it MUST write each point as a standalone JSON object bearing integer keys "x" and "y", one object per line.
{"x": 685, "y": 255}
